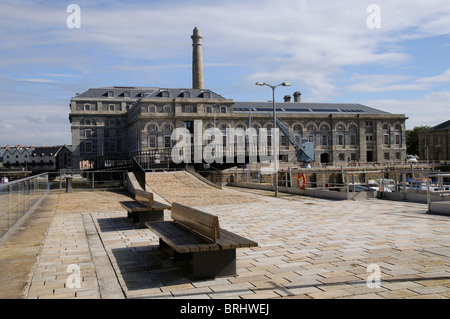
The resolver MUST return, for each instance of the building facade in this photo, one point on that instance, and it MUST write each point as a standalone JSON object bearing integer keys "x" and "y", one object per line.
{"x": 434, "y": 143}
{"x": 113, "y": 120}
{"x": 38, "y": 159}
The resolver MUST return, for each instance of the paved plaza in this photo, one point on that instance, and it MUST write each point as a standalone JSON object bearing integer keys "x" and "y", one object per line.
{"x": 308, "y": 248}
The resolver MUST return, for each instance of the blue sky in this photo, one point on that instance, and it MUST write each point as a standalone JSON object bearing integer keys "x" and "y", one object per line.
{"x": 324, "y": 48}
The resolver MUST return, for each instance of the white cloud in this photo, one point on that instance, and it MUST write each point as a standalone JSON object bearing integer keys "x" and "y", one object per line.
{"x": 308, "y": 43}
{"x": 431, "y": 109}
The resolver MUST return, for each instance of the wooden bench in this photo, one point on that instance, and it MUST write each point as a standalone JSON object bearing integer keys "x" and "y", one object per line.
{"x": 196, "y": 235}
{"x": 144, "y": 208}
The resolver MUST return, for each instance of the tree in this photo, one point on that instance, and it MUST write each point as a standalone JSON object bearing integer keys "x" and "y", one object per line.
{"x": 412, "y": 139}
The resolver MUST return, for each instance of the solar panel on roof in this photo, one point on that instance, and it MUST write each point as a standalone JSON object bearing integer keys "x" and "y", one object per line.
{"x": 325, "y": 110}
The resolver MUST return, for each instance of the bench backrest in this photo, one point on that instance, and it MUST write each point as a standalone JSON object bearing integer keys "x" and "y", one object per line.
{"x": 144, "y": 197}
{"x": 204, "y": 224}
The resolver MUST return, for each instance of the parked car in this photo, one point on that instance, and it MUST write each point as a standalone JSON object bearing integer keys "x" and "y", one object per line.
{"x": 411, "y": 159}
{"x": 362, "y": 188}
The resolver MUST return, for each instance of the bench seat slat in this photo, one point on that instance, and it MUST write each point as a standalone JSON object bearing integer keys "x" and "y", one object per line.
{"x": 134, "y": 206}
{"x": 229, "y": 240}
{"x": 179, "y": 239}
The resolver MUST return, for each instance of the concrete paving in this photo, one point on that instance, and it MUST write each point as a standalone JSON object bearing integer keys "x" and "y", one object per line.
{"x": 308, "y": 248}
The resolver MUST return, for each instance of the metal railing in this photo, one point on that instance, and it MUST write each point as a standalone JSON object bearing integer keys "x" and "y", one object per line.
{"x": 17, "y": 199}
{"x": 440, "y": 187}
{"x": 87, "y": 179}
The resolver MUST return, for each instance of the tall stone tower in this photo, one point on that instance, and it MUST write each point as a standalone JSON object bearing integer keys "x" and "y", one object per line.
{"x": 197, "y": 60}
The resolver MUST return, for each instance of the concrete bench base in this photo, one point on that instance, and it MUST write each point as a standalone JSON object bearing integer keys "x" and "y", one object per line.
{"x": 440, "y": 208}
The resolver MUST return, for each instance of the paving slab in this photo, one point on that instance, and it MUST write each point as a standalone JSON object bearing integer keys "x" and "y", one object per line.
{"x": 308, "y": 248}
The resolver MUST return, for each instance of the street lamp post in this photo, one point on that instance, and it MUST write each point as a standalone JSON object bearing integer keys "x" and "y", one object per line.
{"x": 273, "y": 87}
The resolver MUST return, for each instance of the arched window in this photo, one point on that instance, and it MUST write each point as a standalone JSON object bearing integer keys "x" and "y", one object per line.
{"x": 152, "y": 128}
{"x": 311, "y": 133}
{"x": 340, "y": 128}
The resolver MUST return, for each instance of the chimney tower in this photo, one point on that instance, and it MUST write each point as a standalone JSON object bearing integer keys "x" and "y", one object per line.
{"x": 197, "y": 60}
{"x": 297, "y": 96}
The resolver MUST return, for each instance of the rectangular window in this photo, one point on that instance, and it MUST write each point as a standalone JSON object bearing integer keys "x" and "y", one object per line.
{"x": 353, "y": 140}
{"x": 324, "y": 140}
{"x": 152, "y": 141}
{"x": 167, "y": 141}
{"x": 88, "y": 147}
{"x": 386, "y": 156}
{"x": 386, "y": 139}
{"x": 341, "y": 140}
{"x": 397, "y": 139}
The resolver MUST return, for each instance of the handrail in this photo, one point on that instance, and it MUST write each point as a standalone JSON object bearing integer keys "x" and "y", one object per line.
{"x": 139, "y": 172}
{"x": 17, "y": 199}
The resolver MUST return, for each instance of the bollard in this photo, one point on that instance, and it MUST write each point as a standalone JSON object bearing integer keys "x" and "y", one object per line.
{"x": 69, "y": 184}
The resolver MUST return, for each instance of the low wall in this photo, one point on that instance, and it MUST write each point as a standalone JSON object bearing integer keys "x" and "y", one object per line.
{"x": 440, "y": 208}
{"x": 414, "y": 196}
{"x": 311, "y": 192}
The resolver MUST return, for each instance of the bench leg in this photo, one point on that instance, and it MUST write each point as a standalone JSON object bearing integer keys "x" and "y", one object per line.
{"x": 133, "y": 217}
{"x": 152, "y": 216}
{"x": 216, "y": 263}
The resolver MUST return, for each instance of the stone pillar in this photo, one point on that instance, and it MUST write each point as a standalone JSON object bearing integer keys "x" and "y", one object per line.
{"x": 197, "y": 60}
{"x": 362, "y": 141}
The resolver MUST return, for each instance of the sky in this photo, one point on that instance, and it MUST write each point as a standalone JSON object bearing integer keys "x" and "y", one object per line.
{"x": 392, "y": 55}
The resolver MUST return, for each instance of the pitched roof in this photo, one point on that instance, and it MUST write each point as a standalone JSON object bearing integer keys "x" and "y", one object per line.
{"x": 302, "y": 107}
{"x": 146, "y": 92}
{"x": 48, "y": 150}
{"x": 442, "y": 126}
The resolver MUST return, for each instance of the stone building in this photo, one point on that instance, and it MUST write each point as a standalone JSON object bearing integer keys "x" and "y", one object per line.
{"x": 50, "y": 158}
{"x": 38, "y": 159}
{"x": 434, "y": 143}
{"x": 112, "y": 120}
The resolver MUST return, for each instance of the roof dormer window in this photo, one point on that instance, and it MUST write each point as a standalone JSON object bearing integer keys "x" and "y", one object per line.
{"x": 186, "y": 94}
{"x": 206, "y": 95}
{"x": 110, "y": 94}
{"x": 165, "y": 93}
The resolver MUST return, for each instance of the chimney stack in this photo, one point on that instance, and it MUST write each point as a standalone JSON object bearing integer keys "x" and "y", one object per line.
{"x": 197, "y": 60}
{"x": 297, "y": 96}
{"x": 287, "y": 98}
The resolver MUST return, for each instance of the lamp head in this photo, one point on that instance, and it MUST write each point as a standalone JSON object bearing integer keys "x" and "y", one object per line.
{"x": 260, "y": 83}
{"x": 286, "y": 84}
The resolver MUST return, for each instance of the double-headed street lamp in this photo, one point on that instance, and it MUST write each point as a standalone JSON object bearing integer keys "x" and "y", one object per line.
{"x": 273, "y": 87}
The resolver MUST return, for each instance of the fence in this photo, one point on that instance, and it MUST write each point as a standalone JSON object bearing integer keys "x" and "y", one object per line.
{"x": 333, "y": 183}
{"x": 88, "y": 179}
{"x": 438, "y": 184}
{"x": 17, "y": 199}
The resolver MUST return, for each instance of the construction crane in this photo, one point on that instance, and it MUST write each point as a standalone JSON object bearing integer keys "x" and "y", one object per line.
{"x": 304, "y": 149}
